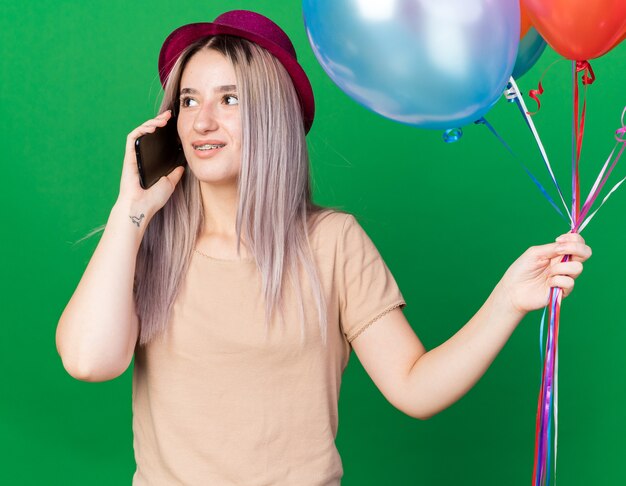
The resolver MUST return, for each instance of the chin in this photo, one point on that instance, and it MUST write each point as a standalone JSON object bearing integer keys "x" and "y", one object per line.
{"x": 210, "y": 177}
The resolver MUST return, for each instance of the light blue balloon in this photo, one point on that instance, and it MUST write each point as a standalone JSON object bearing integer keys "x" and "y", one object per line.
{"x": 427, "y": 63}
{"x": 530, "y": 49}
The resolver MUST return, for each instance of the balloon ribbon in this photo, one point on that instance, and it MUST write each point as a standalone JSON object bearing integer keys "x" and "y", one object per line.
{"x": 547, "y": 403}
{"x": 513, "y": 93}
{"x": 546, "y": 430}
{"x": 579, "y": 126}
{"x": 547, "y": 406}
{"x": 483, "y": 121}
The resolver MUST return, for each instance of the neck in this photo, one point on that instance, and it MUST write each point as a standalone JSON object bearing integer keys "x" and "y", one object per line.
{"x": 220, "y": 209}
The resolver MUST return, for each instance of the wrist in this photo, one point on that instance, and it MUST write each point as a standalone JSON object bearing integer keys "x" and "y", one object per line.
{"x": 132, "y": 213}
{"x": 502, "y": 300}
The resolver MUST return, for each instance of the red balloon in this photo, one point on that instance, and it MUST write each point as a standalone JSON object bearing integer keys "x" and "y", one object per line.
{"x": 620, "y": 40}
{"x": 579, "y": 29}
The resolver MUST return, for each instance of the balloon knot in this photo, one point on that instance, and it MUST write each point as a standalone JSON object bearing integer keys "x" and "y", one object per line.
{"x": 452, "y": 135}
{"x": 588, "y": 75}
{"x": 509, "y": 93}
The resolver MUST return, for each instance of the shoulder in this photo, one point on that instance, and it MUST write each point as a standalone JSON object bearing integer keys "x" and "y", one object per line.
{"x": 329, "y": 223}
{"x": 339, "y": 233}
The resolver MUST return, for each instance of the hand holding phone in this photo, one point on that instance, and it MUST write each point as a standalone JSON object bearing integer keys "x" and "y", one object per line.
{"x": 132, "y": 194}
{"x": 158, "y": 153}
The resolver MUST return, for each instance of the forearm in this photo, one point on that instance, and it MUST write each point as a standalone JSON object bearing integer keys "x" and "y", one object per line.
{"x": 443, "y": 375}
{"x": 97, "y": 330}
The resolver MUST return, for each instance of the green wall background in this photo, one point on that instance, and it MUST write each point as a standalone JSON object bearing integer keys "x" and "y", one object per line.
{"x": 77, "y": 76}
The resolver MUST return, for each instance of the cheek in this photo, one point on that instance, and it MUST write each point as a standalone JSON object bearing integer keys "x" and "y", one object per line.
{"x": 182, "y": 128}
{"x": 234, "y": 126}
{"x": 235, "y": 132}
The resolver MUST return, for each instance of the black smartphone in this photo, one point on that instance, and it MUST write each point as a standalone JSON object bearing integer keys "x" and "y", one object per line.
{"x": 158, "y": 153}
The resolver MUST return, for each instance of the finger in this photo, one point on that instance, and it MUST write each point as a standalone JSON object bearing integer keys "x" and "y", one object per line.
{"x": 159, "y": 121}
{"x": 156, "y": 123}
{"x": 176, "y": 175}
{"x": 570, "y": 237}
{"x": 544, "y": 252}
{"x": 572, "y": 269}
{"x": 165, "y": 115}
{"x": 166, "y": 185}
{"x": 563, "y": 282}
{"x": 578, "y": 251}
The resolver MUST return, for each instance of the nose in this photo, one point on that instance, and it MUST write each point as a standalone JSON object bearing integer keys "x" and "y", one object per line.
{"x": 206, "y": 120}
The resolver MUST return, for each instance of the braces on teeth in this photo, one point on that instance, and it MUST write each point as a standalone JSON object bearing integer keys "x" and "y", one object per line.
{"x": 207, "y": 146}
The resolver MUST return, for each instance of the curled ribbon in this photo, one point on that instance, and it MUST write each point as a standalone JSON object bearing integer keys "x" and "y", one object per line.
{"x": 620, "y": 133}
{"x": 583, "y": 66}
{"x": 536, "y": 93}
{"x": 579, "y": 127}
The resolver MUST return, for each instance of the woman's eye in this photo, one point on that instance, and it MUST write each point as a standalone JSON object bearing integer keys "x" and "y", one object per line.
{"x": 187, "y": 101}
{"x": 231, "y": 100}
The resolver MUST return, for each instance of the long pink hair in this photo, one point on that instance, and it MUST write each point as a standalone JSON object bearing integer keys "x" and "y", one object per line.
{"x": 274, "y": 206}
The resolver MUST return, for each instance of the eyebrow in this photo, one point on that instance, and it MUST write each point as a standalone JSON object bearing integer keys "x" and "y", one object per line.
{"x": 219, "y": 89}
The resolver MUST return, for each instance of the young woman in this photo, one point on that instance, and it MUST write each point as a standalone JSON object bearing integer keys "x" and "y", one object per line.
{"x": 241, "y": 300}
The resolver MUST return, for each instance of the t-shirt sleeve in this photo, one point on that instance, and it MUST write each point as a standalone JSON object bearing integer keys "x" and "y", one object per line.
{"x": 367, "y": 289}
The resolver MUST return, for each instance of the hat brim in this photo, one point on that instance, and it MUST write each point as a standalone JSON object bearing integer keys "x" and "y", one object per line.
{"x": 184, "y": 36}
